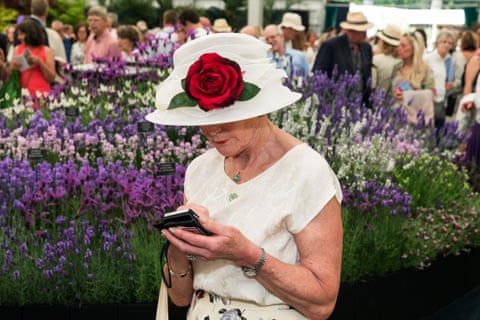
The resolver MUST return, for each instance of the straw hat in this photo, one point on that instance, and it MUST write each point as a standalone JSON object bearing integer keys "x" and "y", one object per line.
{"x": 356, "y": 21}
{"x": 292, "y": 20}
{"x": 200, "y": 89}
{"x": 221, "y": 25}
{"x": 391, "y": 34}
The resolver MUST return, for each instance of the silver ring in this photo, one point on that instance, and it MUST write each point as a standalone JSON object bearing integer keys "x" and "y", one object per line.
{"x": 191, "y": 257}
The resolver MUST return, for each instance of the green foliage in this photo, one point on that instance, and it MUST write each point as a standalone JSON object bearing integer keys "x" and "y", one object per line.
{"x": 428, "y": 178}
{"x": 7, "y": 17}
{"x": 68, "y": 11}
{"x": 369, "y": 237}
{"x": 130, "y": 11}
{"x": 147, "y": 271}
{"x": 165, "y": 4}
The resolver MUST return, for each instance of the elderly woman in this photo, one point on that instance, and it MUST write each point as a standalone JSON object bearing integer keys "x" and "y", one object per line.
{"x": 270, "y": 202}
{"x": 437, "y": 60}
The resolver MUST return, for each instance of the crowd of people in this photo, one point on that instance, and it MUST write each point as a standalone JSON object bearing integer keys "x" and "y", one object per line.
{"x": 394, "y": 59}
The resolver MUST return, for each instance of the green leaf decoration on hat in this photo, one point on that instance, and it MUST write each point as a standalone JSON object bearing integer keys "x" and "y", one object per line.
{"x": 249, "y": 91}
{"x": 181, "y": 100}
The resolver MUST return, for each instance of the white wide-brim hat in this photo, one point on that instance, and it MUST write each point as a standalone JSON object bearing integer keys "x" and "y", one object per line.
{"x": 292, "y": 20}
{"x": 251, "y": 55}
{"x": 356, "y": 21}
{"x": 391, "y": 34}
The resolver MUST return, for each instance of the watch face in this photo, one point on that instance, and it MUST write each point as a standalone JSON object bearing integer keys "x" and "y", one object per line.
{"x": 249, "y": 272}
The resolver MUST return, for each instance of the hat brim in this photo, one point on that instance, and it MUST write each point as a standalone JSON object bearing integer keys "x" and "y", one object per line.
{"x": 294, "y": 27}
{"x": 388, "y": 40}
{"x": 221, "y": 29}
{"x": 356, "y": 27}
{"x": 194, "y": 116}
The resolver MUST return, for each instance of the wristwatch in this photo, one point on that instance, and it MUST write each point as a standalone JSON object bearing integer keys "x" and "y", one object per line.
{"x": 253, "y": 271}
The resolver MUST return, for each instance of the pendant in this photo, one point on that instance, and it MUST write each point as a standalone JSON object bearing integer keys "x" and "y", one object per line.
{"x": 236, "y": 177}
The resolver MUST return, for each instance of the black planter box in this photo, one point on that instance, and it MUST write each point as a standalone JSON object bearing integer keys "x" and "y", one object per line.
{"x": 429, "y": 294}
{"x": 410, "y": 294}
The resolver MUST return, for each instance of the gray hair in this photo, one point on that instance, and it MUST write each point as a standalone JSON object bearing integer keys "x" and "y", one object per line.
{"x": 98, "y": 11}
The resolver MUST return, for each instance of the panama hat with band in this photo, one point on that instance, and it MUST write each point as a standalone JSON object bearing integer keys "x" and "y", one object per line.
{"x": 292, "y": 20}
{"x": 221, "y": 78}
{"x": 391, "y": 34}
{"x": 356, "y": 21}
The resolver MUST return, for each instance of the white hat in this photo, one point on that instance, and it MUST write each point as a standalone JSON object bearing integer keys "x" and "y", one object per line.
{"x": 356, "y": 21}
{"x": 217, "y": 67}
{"x": 391, "y": 34}
{"x": 221, "y": 25}
{"x": 292, "y": 20}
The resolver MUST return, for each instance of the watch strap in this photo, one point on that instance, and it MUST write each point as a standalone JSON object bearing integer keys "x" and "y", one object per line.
{"x": 253, "y": 271}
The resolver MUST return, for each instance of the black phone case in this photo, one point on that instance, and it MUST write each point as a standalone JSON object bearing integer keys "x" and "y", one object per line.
{"x": 185, "y": 219}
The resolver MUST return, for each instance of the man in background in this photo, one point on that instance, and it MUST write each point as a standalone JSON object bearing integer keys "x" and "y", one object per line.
{"x": 101, "y": 43}
{"x": 349, "y": 52}
{"x": 194, "y": 29}
{"x": 292, "y": 61}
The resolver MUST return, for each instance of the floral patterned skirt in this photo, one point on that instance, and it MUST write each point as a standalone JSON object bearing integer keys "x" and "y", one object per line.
{"x": 208, "y": 306}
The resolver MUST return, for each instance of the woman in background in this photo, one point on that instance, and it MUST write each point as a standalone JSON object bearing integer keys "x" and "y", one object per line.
{"x": 386, "y": 60}
{"x": 39, "y": 70}
{"x": 78, "y": 48}
{"x": 444, "y": 77}
{"x": 413, "y": 77}
{"x": 128, "y": 38}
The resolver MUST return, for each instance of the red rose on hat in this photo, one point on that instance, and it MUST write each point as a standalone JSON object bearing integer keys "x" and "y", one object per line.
{"x": 213, "y": 82}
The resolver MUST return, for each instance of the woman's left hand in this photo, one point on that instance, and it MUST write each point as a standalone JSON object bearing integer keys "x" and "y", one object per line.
{"x": 226, "y": 242}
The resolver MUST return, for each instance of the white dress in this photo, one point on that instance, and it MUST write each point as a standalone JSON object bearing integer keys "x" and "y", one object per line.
{"x": 268, "y": 209}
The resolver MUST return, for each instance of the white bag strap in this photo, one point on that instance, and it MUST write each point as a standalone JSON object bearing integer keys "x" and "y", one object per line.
{"x": 162, "y": 306}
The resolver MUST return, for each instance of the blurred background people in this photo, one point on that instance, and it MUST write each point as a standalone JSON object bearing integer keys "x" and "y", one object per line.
{"x": 78, "y": 48}
{"x": 101, "y": 43}
{"x": 440, "y": 62}
{"x": 10, "y": 32}
{"x": 413, "y": 83}
{"x": 128, "y": 39}
{"x": 293, "y": 31}
{"x": 386, "y": 60}
{"x": 167, "y": 39}
{"x": 349, "y": 52}
{"x": 194, "y": 29}
{"x": 469, "y": 44}
{"x": 40, "y": 71}
{"x": 57, "y": 26}
{"x": 292, "y": 61}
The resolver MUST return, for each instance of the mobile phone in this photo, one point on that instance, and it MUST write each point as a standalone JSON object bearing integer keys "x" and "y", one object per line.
{"x": 405, "y": 86}
{"x": 185, "y": 219}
